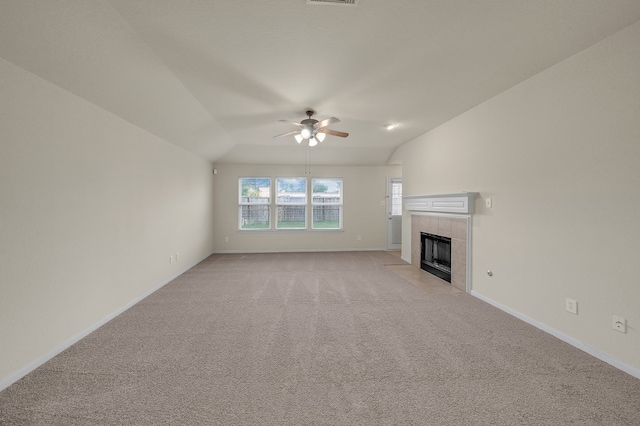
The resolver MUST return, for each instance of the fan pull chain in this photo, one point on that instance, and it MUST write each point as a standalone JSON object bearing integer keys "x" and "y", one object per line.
{"x": 307, "y": 163}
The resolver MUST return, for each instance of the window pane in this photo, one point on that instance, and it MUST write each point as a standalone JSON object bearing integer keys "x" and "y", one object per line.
{"x": 326, "y": 217}
{"x": 291, "y": 190}
{"x": 254, "y": 217}
{"x": 291, "y": 200}
{"x": 255, "y": 200}
{"x": 292, "y": 217}
{"x": 327, "y": 203}
{"x": 255, "y": 190}
{"x": 326, "y": 191}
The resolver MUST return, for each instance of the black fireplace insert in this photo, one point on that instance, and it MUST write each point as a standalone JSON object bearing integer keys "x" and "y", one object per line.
{"x": 436, "y": 255}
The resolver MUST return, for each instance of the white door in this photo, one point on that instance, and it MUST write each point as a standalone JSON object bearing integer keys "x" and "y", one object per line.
{"x": 394, "y": 213}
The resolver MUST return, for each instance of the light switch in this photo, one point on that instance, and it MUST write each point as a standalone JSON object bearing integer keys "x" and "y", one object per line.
{"x": 488, "y": 202}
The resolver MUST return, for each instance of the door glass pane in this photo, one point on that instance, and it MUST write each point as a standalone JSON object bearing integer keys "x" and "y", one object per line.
{"x": 396, "y": 198}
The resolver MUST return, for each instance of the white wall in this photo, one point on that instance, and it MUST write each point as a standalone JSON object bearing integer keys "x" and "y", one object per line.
{"x": 559, "y": 155}
{"x": 91, "y": 209}
{"x": 364, "y": 190}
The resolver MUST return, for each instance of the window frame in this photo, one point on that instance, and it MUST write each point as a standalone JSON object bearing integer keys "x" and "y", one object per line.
{"x": 305, "y": 203}
{"x": 242, "y": 203}
{"x": 272, "y": 205}
{"x": 339, "y": 204}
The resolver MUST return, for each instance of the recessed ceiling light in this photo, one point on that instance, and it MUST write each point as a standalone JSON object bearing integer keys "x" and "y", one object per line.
{"x": 390, "y": 126}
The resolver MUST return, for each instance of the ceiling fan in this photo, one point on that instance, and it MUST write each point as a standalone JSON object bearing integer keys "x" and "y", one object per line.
{"x": 312, "y": 130}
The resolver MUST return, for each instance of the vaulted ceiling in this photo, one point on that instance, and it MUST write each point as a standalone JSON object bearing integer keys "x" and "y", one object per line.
{"x": 214, "y": 76}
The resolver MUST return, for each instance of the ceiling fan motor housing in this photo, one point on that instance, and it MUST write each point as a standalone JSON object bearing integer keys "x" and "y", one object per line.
{"x": 308, "y": 131}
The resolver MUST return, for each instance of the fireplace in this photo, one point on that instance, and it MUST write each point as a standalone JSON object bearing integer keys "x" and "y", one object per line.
{"x": 444, "y": 216}
{"x": 436, "y": 255}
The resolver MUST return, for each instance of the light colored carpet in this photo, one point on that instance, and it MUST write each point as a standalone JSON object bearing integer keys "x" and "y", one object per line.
{"x": 318, "y": 339}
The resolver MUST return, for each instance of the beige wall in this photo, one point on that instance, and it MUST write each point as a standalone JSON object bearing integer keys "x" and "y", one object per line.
{"x": 364, "y": 210}
{"x": 91, "y": 208}
{"x": 559, "y": 155}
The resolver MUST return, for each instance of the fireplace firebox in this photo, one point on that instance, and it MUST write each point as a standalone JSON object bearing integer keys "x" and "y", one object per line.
{"x": 436, "y": 255}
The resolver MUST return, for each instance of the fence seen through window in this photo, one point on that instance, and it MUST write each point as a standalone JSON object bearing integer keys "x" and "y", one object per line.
{"x": 327, "y": 203}
{"x": 290, "y": 204}
{"x": 255, "y": 203}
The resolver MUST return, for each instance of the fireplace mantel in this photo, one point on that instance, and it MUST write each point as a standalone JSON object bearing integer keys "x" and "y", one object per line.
{"x": 463, "y": 202}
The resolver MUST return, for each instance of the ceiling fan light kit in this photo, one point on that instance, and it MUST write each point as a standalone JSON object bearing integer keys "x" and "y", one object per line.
{"x": 312, "y": 130}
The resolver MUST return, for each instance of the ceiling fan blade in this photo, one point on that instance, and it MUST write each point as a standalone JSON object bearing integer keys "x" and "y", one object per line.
{"x": 295, "y": 123}
{"x": 325, "y": 123}
{"x": 334, "y": 132}
{"x": 292, "y": 133}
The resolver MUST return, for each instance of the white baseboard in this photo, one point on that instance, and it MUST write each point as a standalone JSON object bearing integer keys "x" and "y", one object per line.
{"x": 17, "y": 375}
{"x": 564, "y": 337}
{"x": 295, "y": 250}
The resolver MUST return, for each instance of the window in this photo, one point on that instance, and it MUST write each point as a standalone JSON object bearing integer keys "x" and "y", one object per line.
{"x": 292, "y": 207}
{"x": 291, "y": 203}
{"x": 255, "y": 203}
{"x": 327, "y": 203}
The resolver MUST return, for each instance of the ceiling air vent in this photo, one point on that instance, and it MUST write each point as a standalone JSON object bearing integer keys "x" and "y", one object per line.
{"x": 335, "y": 2}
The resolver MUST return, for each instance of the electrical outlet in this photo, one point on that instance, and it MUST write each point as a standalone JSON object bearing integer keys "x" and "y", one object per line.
{"x": 572, "y": 306}
{"x": 359, "y": 237}
{"x": 177, "y": 256}
{"x": 226, "y": 239}
{"x": 619, "y": 324}
{"x": 170, "y": 259}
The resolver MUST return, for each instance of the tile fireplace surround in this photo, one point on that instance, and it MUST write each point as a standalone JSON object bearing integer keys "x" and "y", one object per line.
{"x": 454, "y": 228}
{"x": 448, "y": 215}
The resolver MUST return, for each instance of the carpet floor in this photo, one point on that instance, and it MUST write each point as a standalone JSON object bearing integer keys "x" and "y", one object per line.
{"x": 317, "y": 339}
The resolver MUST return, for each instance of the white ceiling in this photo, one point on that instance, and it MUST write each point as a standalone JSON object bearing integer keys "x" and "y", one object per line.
{"x": 214, "y": 76}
